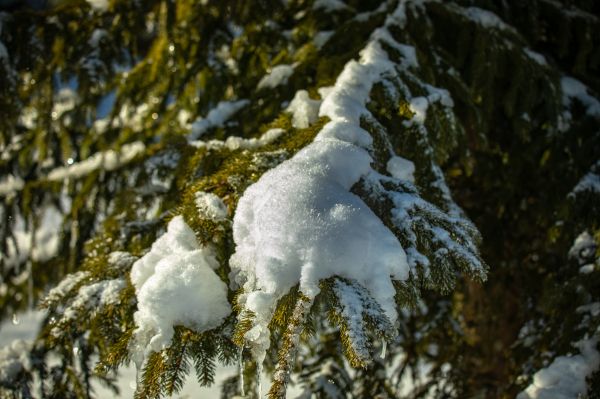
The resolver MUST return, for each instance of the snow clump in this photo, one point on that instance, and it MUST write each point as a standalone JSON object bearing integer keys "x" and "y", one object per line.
{"x": 175, "y": 284}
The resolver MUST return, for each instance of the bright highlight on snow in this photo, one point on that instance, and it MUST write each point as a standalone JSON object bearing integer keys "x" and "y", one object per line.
{"x": 300, "y": 223}
{"x": 175, "y": 284}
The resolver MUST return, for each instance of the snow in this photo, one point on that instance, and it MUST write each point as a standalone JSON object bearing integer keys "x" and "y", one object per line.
{"x": 279, "y": 75}
{"x": 10, "y": 184}
{"x": 211, "y": 206}
{"x": 176, "y": 284}
{"x": 304, "y": 110}
{"x": 45, "y": 243}
{"x": 3, "y": 53}
{"x": 66, "y": 285}
{"x": 329, "y": 5}
{"x": 300, "y": 223}
{"x": 216, "y": 117}
{"x": 537, "y": 57}
{"x": 347, "y": 132}
{"x": 92, "y": 297}
{"x": 107, "y": 160}
{"x": 590, "y": 181}
{"x": 574, "y": 89}
{"x": 100, "y": 5}
{"x": 3, "y": 50}
{"x": 485, "y": 18}
{"x": 566, "y": 377}
{"x": 26, "y": 329}
{"x": 14, "y": 358}
{"x": 239, "y": 143}
{"x": 401, "y": 168}
{"x": 419, "y": 105}
{"x": 322, "y": 37}
{"x": 583, "y": 249}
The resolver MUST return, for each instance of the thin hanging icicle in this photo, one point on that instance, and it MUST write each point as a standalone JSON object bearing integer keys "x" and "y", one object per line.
{"x": 259, "y": 369}
{"x": 383, "y": 348}
{"x": 30, "y": 284}
{"x": 241, "y": 361}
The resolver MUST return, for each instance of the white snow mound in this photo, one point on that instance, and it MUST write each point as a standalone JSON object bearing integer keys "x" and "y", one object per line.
{"x": 176, "y": 285}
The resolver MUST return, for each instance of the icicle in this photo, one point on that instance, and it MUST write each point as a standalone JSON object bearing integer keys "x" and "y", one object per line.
{"x": 15, "y": 319}
{"x": 241, "y": 360}
{"x": 138, "y": 360}
{"x": 29, "y": 285}
{"x": 383, "y": 348}
{"x": 259, "y": 369}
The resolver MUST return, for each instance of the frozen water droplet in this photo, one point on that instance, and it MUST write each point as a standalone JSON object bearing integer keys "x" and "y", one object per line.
{"x": 70, "y": 161}
{"x": 15, "y": 319}
{"x": 383, "y": 348}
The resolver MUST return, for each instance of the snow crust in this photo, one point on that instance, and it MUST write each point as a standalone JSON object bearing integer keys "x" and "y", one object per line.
{"x": 216, "y": 117}
{"x": 279, "y": 75}
{"x": 565, "y": 377}
{"x": 175, "y": 284}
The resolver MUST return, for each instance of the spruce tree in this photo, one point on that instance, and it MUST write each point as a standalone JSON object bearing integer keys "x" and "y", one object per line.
{"x": 365, "y": 199}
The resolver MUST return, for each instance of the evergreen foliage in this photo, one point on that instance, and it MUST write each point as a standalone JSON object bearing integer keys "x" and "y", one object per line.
{"x": 117, "y": 116}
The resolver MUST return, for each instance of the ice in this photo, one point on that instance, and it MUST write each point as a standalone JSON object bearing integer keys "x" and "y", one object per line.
{"x": 176, "y": 285}
{"x": 304, "y": 110}
{"x": 279, "y": 75}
